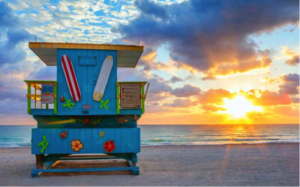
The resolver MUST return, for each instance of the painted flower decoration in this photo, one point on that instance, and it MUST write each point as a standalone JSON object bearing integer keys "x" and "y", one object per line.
{"x": 76, "y": 145}
{"x": 102, "y": 133}
{"x": 87, "y": 120}
{"x": 109, "y": 146}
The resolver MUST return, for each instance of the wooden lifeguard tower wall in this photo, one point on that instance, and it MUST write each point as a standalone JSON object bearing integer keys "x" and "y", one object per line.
{"x": 85, "y": 127}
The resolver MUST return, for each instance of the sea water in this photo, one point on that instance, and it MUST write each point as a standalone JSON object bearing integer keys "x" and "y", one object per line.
{"x": 20, "y": 135}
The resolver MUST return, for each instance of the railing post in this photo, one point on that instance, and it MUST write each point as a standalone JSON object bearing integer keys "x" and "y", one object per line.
{"x": 35, "y": 93}
{"x": 118, "y": 98}
{"x": 29, "y": 99}
{"x": 143, "y": 97}
{"x": 55, "y": 97}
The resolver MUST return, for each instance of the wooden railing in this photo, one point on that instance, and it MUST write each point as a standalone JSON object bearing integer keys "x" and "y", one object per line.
{"x": 37, "y": 85}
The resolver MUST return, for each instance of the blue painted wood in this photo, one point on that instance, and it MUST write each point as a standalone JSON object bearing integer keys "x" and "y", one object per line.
{"x": 85, "y": 169}
{"x": 67, "y": 111}
{"x": 42, "y": 112}
{"x": 125, "y": 139}
{"x": 87, "y": 60}
{"x": 86, "y": 76}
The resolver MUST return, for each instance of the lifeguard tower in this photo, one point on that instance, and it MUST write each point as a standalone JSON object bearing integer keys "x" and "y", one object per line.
{"x": 86, "y": 111}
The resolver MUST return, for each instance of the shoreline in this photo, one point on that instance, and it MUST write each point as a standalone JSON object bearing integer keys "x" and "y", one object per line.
{"x": 256, "y": 143}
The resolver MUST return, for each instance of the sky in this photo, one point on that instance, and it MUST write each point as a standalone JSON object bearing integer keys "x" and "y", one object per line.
{"x": 207, "y": 61}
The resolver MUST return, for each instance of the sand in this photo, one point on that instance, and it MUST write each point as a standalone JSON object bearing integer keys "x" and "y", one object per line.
{"x": 219, "y": 165}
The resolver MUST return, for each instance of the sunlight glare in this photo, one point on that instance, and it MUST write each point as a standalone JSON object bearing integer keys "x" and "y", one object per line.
{"x": 239, "y": 106}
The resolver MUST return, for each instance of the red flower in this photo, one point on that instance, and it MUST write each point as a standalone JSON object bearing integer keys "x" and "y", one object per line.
{"x": 62, "y": 99}
{"x": 87, "y": 120}
{"x": 109, "y": 146}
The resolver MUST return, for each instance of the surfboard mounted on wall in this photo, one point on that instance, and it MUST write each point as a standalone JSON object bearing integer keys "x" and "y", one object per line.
{"x": 103, "y": 78}
{"x": 71, "y": 78}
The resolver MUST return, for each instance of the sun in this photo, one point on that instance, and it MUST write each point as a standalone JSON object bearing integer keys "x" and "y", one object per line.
{"x": 239, "y": 106}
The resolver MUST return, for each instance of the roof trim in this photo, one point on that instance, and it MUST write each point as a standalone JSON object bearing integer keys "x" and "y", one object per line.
{"x": 56, "y": 45}
{"x": 127, "y": 55}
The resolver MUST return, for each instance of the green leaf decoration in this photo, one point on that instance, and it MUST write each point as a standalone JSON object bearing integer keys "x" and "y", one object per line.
{"x": 44, "y": 144}
{"x": 68, "y": 104}
{"x": 104, "y": 103}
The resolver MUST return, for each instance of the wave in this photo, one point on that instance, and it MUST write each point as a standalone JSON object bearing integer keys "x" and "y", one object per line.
{"x": 15, "y": 145}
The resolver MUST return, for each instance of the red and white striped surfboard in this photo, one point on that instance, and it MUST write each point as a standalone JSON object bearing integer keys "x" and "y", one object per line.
{"x": 71, "y": 78}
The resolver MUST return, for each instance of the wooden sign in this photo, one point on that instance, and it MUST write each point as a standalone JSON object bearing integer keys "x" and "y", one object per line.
{"x": 130, "y": 95}
{"x": 47, "y": 93}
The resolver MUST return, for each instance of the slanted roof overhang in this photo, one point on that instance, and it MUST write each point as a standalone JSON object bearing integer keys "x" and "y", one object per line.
{"x": 127, "y": 55}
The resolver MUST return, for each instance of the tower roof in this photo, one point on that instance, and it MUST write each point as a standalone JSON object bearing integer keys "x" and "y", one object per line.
{"x": 127, "y": 55}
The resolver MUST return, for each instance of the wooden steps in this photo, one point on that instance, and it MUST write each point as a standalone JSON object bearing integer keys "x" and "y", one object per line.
{"x": 89, "y": 164}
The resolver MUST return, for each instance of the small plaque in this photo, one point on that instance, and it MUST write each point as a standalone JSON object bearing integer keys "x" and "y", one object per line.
{"x": 130, "y": 95}
{"x": 86, "y": 106}
{"x": 47, "y": 93}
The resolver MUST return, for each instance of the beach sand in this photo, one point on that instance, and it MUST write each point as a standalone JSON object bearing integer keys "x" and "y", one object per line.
{"x": 217, "y": 165}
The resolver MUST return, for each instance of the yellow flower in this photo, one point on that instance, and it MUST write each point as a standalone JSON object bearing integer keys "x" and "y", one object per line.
{"x": 102, "y": 133}
{"x": 76, "y": 145}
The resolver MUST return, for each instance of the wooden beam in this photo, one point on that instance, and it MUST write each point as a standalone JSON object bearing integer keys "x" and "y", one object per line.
{"x": 38, "y": 99}
{"x": 37, "y": 87}
{"x": 33, "y": 95}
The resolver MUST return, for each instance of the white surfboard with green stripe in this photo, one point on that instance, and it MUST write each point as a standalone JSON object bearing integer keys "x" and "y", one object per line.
{"x": 103, "y": 78}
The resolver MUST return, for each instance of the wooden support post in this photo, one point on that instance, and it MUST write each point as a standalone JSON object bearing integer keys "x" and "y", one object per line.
{"x": 39, "y": 161}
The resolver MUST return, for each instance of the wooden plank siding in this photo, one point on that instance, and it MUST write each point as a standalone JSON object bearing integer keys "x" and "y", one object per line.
{"x": 127, "y": 140}
{"x": 87, "y": 76}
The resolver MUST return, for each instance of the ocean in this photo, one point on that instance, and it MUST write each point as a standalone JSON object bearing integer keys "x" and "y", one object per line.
{"x": 19, "y": 136}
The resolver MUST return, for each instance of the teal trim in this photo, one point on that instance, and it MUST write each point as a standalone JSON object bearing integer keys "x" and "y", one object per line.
{"x": 37, "y": 172}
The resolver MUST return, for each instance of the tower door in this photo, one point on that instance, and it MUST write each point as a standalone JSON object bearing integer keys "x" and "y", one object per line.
{"x": 87, "y": 65}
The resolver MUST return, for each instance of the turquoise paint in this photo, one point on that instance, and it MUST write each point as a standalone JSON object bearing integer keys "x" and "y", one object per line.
{"x": 87, "y": 72}
{"x": 126, "y": 136}
{"x": 125, "y": 139}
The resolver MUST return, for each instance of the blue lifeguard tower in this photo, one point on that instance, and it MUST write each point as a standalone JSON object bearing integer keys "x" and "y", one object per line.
{"x": 68, "y": 126}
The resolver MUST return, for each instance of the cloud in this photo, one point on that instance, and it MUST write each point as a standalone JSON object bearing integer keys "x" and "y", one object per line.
{"x": 150, "y": 8}
{"x": 293, "y": 61}
{"x": 7, "y": 19}
{"x": 293, "y": 57}
{"x": 186, "y": 91}
{"x": 13, "y": 35}
{"x": 212, "y": 108}
{"x": 216, "y": 41}
{"x": 269, "y": 98}
{"x": 175, "y": 79}
{"x": 291, "y": 84}
{"x": 214, "y": 96}
{"x": 181, "y": 103}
